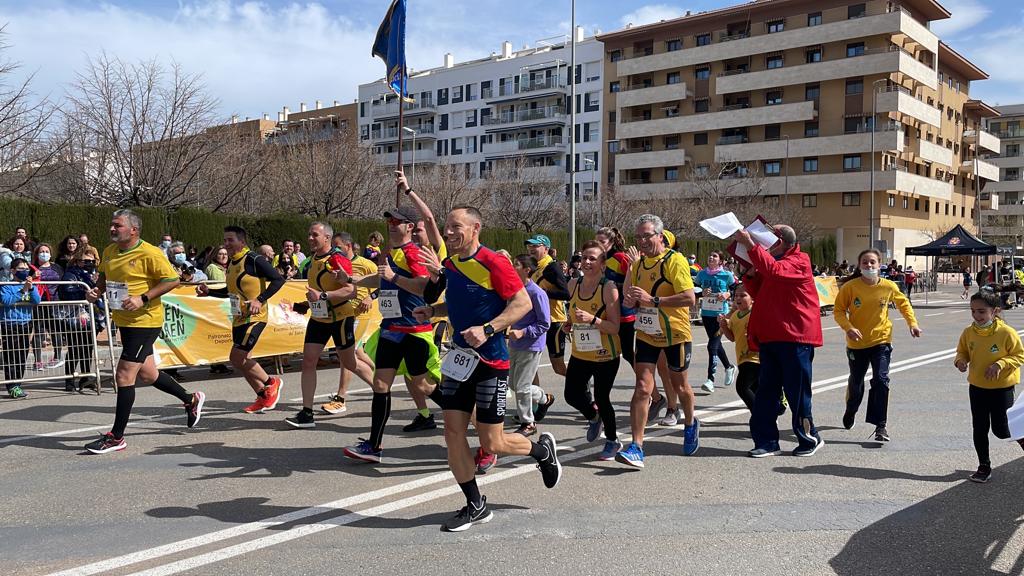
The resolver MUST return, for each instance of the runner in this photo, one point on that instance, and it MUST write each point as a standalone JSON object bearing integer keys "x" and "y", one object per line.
{"x": 734, "y": 327}
{"x": 714, "y": 302}
{"x": 594, "y": 311}
{"x": 527, "y": 337}
{"x": 328, "y": 293}
{"x": 251, "y": 281}
{"x": 659, "y": 283}
{"x": 490, "y": 298}
{"x": 550, "y": 277}
{"x": 359, "y": 307}
{"x": 862, "y": 311}
{"x": 133, "y": 275}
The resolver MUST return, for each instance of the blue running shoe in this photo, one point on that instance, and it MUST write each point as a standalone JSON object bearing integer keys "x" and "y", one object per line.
{"x": 363, "y": 451}
{"x": 594, "y": 429}
{"x": 611, "y": 447}
{"x": 633, "y": 456}
{"x": 691, "y": 438}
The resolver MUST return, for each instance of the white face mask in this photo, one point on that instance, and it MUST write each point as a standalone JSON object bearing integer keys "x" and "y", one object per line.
{"x": 869, "y": 272}
{"x": 985, "y": 325}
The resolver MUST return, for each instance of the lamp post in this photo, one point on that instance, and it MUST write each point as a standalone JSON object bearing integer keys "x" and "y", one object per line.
{"x": 571, "y": 77}
{"x": 588, "y": 161}
{"x": 871, "y": 203}
{"x": 414, "y": 133}
{"x": 785, "y": 194}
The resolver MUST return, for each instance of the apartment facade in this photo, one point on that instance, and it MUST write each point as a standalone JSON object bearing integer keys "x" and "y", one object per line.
{"x": 511, "y": 107}
{"x": 1003, "y": 221}
{"x": 804, "y": 97}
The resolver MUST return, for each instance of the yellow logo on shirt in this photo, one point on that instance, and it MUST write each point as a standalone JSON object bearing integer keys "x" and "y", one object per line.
{"x": 994, "y": 348}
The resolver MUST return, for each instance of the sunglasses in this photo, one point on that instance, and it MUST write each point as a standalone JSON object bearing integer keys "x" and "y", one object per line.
{"x": 396, "y": 221}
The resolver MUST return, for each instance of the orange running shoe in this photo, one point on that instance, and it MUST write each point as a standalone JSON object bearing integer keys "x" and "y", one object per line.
{"x": 272, "y": 393}
{"x": 256, "y": 407}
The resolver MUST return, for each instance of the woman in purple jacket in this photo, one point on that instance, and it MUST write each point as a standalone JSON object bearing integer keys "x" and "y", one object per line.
{"x": 526, "y": 343}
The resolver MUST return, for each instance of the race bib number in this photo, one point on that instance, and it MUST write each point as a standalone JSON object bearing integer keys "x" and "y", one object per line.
{"x": 459, "y": 364}
{"x": 712, "y": 304}
{"x": 647, "y": 321}
{"x": 320, "y": 309}
{"x": 236, "y": 305}
{"x": 586, "y": 338}
{"x": 117, "y": 292}
{"x": 387, "y": 303}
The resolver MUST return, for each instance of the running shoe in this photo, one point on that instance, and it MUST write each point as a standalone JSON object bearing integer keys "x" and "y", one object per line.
{"x": 708, "y": 386}
{"x": 87, "y": 383}
{"x": 527, "y": 429}
{"x": 106, "y": 443}
{"x": 765, "y": 451}
{"x": 671, "y": 418}
{"x": 272, "y": 393}
{"x": 881, "y": 434}
{"x": 730, "y": 375}
{"x": 484, "y": 461}
{"x": 420, "y": 423}
{"x": 849, "y": 418}
{"x": 982, "y": 475}
{"x": 550, "y": 467}
{"x": 542, "y": 409}
{"x": 69, "y": 385}
{"x": 302, "y": 419}
{"x": 632, "y": 456}
{"x": 611, "y": 447}
{"x": 468, "y": 516}
{"x": 691, "y": 438}
{"x": 334, "y": 405}
{"x": 256, "y": 407}
{"x": 809, "y": 450}
{"x": 363, "y": 451}
{"x": 594, "y": 428}
{"x": 194, "y": 409}
{"x": 655, "y": 408}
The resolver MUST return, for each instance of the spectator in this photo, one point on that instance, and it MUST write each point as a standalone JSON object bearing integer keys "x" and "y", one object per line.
{"x": 217, "y": 270}
{"x": 287, "y": 254}
{"x": 267, "y": 251}
{"x": 909, "y": 278}
{"x": 187, "y": 271}
{"x": 83, "y": 240}
{"x": 204, "y": 258}
{"x": 45, "y": 319}
{"x": 6, "y": 258}
{"x": 16, "y": 306}
{"x": 372, "y": 251}
{"x": 165, "y": 242}
{"x": 78, "y": 321}
{"x": 66, "y": 249}
{"x": 298, "y": 252}
{"x": 20, "y": 232}
{"x": 19, "y": 248}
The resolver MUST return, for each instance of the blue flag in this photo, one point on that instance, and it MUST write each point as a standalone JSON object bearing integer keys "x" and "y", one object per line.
{"x": 390, "y": 47}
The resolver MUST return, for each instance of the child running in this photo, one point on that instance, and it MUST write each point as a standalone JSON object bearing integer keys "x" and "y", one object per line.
{"x": 734, "y": 327}
{"x": 862, "y": 311}
{"x": 991, "y": 353}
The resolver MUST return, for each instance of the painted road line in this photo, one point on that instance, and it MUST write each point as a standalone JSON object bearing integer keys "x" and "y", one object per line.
{"x": 936, "y": 314}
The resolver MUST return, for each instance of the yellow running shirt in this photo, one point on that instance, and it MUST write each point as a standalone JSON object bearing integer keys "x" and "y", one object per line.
{"x": 664, "y": 275}
{"x": 138, "y": 269}
{"x": 610, "y": 346}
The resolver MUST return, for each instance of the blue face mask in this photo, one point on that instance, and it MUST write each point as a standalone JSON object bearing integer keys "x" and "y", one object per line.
{"x": 179, "y": 258}
{"x": 165, "y": 244}
{"x": 22, "y": 274}
{"x": 44, "y": 257}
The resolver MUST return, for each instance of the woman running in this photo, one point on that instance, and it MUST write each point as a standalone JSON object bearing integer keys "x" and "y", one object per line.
{"x": 714, "y": 282}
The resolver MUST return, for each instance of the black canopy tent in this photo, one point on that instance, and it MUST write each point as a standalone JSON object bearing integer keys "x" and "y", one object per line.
{"x": 956, "y": 242}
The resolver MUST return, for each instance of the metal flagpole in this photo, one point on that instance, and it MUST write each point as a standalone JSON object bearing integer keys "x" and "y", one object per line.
{"x": 401, "y": 133}
{"x": 571, "y": 77}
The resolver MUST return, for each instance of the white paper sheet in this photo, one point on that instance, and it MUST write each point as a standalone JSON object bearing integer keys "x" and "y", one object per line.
{"x": 762, "y": 234}
{"x": 723, "y": 226}
{"x": 1015, "y": 415}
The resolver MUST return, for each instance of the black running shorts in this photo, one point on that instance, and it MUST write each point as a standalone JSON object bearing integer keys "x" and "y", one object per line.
{"x": 486, "y": 389}
{"x": 245, "y": 336}
{"x": 342, "y": 331}
{"x": 411, "y": 348}
{"x": 137, "y": 343}
{"x": 677, "y": 355}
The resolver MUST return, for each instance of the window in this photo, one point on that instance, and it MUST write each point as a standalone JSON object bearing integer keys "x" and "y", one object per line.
{"x": 811, "y": 165}
{"x": 471, "y": 92}
{"x": 851, "y": 163}
{"x": 702, "y": 73}
{"x": 470, "y": 118}
{"x": 593, "y": 131}
{"x": 773, "y": 97}
{"x": 442, "y": 96}
{"x": 592, "y": 71}
{"x": 856, "y": 11}
{"x": 810, "y": 129}
{"x": 772, "y": 131}
{"x": 672, "y": 78}
{"x": 671, "y": 174}
{"x": 673, "y": 45}
{"x": 1012, "y": 175}
{"x": 855, "y": 86}
{"x": 703, "y": 39}
{"x": 614, "y": 87}
{"x": 456, "y": 94}
{"x": 776, "y": 26}
{"x": 814, "y": 55}
{"x": 851, "y": 198}
{"x": 700, "y": 139}
{"x": 906, "y": 203}
{"x": 891, "y": 200}
{"x": 772, "y": 167}
{"x": 671, "y": 142}
{"x": 591, "y": 102}
{"x": 471, "y": 145}
{"x": 700, "y": 105}
{"x": 812, "y": 92}
{"x": 851, "y": 125}
{"x": 615, "y": 55}
{"x": 814, "y": 19}
{"x": 855, "y": 49}
{"x": 947, "y": 209}
{"x": 917, "y": 204}
{"x": 772, "y": 62}
{"x": 810, "y": 201}
{"x": 957, "y": 88}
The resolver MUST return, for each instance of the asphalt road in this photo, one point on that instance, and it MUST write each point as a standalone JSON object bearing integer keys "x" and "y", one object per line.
{"x": 245, "y": 494}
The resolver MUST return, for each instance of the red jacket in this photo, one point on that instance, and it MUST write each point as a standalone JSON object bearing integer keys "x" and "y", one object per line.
{"x": 787, "y": 307}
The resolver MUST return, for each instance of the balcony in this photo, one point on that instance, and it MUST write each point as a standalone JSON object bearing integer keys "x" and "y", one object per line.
{"x": 1014, "y": 133}
{"x": 989, "y": 202}
{"x": 896, "y": 22}
{"x": 1005, "y": 209}
{"x": 898, "y": 99}
{"x": 530, "y": 116}
{"x": 860, "y": 143}
{"x": 896, "y": 180}
{"x": 636, "y": 189}
{"x": 985, "y": 170}
{"x": 1004, "y": 186}
{"x": 641, "y": 96}
{"x": 703, "y": 122}
{"x": 527, "y": 89}
{"x": 422, "y": 157}
{"x": 391, "y": 134}
{"x": 390, "y": 108}
{"x": 640, "y": 159}
{"x": 550, "y": 144}
{"x": 935, "y": 153}
{"x": 1008, "y": 161}
{"x": 983, "y": 139}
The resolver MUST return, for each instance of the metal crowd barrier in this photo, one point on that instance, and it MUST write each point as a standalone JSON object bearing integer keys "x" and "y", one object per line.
{"x": 59, "y": 343}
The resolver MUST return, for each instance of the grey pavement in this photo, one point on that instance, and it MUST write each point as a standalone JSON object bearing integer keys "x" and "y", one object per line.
{"x": 245, "y": 494}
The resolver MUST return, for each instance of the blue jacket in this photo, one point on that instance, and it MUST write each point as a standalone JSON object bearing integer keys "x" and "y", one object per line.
{"x": 15, "y": 309}
{"x": 73, "y": 291}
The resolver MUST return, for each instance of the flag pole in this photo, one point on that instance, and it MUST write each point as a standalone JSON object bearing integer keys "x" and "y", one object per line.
{"x": 401, "y": 134}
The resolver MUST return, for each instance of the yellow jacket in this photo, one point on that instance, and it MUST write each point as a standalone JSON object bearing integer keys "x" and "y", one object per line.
{"x": 865, "y": 307}
{"x": 981, "y": 347}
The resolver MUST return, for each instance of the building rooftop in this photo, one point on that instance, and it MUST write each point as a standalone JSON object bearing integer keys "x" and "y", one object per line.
{"x": 1011, "y": 110}
{"x": 956, "y": 61}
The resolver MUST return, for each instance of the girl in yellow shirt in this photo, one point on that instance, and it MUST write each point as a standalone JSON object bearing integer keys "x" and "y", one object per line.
{"x": 991, "y": 353}
{"x": 734, "y": 327}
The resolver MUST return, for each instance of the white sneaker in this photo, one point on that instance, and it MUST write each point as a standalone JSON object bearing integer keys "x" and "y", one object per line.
{"x": 708, "y": 386}
{"x": 671, "y": 418}
{"x": 730, "y": 376}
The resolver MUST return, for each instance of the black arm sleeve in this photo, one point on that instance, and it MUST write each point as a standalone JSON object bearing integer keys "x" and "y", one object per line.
{"x": 263, "y": 269}
{"x": 553, "y": 274}
{"x": 434, "y": 289}
{"x": 218, "y": 292}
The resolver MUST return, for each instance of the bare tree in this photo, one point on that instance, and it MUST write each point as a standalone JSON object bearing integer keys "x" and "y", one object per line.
{"x": 445, "y": 186}
{"x": 228, "y": 181}
{"x": 525, "y": 196}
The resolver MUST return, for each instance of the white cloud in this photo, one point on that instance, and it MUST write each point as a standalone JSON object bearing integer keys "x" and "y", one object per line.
{"x": 651, "y": 13}
{"x": 966, "y": 15}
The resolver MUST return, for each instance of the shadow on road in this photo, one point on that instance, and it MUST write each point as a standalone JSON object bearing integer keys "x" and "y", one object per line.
{"x": 870, "y": 473}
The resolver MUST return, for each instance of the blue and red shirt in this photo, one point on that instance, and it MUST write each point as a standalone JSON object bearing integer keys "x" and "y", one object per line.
{"x": 616, "y": 267}
{"x": 405, "y": 261}
{"x": 481, "y": 284}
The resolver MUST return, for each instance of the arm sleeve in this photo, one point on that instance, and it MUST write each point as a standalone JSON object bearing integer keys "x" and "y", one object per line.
{"x": 903, "y": 304}
{"x": 842, "y": 307}
{"x": 543, "y": 311}
{"x": 553, "y": 274}
{"x": 1014, "y": 352}
{"x": 432, "y": 292}
{"x": 218, "y": 292}
{"x": 962, "y": 351}
{"x": 264, "y": 269}
{"x": 9, "y": 297}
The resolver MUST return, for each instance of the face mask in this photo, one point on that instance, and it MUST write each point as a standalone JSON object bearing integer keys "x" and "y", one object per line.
{"x": 869, "y": 272}
{"x": 165, "y": 244}
{"x": 22, "y": 274}
{"x": 985, "y": 325}
{"x": 89, "y": 267}
{"x": 692, "y": 260}
{"x": 179, "y": 258}
{"x": 44, "y": 257}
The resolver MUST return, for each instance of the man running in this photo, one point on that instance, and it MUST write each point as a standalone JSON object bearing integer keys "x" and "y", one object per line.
{"x": 660, "y": 286}
{"x": 251, "y": 281}
{"x": 490, "y": 299}
{"x": 550, "y": 277}
{"x": 133, "y": 276}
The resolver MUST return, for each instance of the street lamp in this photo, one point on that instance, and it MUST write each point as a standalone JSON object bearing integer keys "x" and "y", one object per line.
{"x": 414, "y": 133}
{"x": 871, "y": 202}
{"x": 785, "y": 195}
{"x": 593, "y": 180}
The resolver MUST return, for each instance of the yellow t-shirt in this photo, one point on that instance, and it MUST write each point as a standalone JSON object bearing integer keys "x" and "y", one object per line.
{"x": 738, "y": 322}
{"x": 611, "y": 347}
{"x": 321, "y": 278}
{"x": 139, "y": 268}
{"x": 245, "y": 286}
{"x": 664, "y": 275}
{"x": 360, "y": 267}
{"x": 981, "y": 347}
{"x": 557, "y": 306}
{"x": 865, "y": 307}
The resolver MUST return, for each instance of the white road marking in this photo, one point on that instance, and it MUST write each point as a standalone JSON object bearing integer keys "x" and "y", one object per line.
{"x": 936, "y": 314}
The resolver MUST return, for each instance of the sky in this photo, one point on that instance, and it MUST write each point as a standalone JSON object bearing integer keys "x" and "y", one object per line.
{"x": 257, "y": 56}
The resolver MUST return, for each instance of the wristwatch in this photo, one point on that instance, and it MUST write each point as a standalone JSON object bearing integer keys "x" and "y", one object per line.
{"x": 488, "y": 329}
{"x": 323, "y": 295}
{"x": 657, "y": 301}
{"x": 145, "y": 299}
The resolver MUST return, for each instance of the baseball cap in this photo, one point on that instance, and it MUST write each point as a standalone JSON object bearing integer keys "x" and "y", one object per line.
{"x": 538, "y": 239}
{"x": 670, "y": 238}
{"x": 401, "y": 213}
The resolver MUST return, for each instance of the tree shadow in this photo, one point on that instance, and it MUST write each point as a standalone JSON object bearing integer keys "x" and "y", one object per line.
{"x": 968, "y": 529}
{"x": 869, "y": 473}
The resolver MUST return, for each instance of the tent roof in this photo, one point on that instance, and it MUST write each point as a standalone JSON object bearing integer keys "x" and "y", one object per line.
{"x": 957, "y": 241}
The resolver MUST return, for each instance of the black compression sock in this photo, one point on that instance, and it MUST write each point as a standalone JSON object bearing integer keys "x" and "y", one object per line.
{"x": 168, "y": 385}
{"x": 125, "y": 401}
{"x": 472, "y": 492}
{"x": 538, "y": 452}
{"x": 380, "y": 411}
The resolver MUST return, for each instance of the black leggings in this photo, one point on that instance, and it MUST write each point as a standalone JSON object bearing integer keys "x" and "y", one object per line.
{"x": 15, "y": 342}
{"x": 577, "y": 374}
{"x": 988, "y": 407}
{"x": 746, "y": 383}
{"x": 715, "y": 349}
{"x": 627, "y": 341}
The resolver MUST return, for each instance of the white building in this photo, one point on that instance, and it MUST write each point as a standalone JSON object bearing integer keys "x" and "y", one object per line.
{"x": 1003, "y": 218}
{"x": 510, "y": 105}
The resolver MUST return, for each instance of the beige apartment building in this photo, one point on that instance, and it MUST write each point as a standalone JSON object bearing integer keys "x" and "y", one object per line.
{"x": 1003, "y": 220}
{"x": 799, "y": 96}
